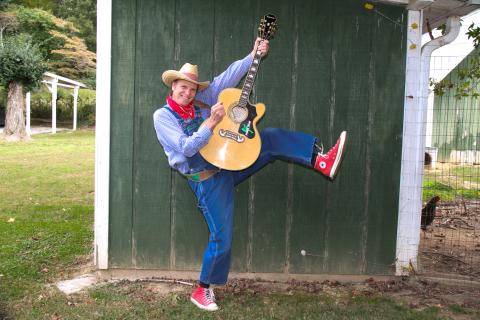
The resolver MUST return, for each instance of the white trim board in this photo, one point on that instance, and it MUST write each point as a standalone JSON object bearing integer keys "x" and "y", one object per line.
{"x": 408, "y": 235}
{"x": 102, "y": 132}
{"x": 413, "y": 142}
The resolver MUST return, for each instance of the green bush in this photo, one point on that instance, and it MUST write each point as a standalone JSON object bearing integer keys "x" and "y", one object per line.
{"x": 21, "y": 61}
{"x": 41, "y": 105}
{"x": 433, "y": 188}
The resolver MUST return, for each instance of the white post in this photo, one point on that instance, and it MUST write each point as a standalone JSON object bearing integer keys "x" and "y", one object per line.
{"x": 102, "y": 132}
{"x": 54, "y": 105}
{"x": 75, "y": 96}
{"x": 414, "y": 130}
{"x": 27, "y": 112}
{"x": 410, "y": 198}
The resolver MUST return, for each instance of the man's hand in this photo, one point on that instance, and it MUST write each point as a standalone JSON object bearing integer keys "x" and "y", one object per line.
{"x": 217, "y": 112}
{"x": 260, "y": 45}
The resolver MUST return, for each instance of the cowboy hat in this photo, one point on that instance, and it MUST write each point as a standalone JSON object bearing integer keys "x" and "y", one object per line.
{"x": 187, "y": 72}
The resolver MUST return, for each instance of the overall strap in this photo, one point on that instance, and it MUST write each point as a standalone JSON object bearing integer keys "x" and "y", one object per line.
{"x": 172, "y": 112}
{"x": 188, "y": 127}
{"x": 196, "y": 163}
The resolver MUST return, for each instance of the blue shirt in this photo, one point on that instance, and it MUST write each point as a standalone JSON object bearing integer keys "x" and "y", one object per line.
{"x": 177, "y": 145}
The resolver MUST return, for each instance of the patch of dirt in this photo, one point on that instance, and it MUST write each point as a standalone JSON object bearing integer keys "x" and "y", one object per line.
{"x": 162, "y": 289}
{"x": 451, "y": 245}
{"x": 415, "y": 293}
{"x": 4, "y": 314}
{"x": 152, "y": 288}
{"x": 411, "y": 292}
{"x": 420, "y": 293}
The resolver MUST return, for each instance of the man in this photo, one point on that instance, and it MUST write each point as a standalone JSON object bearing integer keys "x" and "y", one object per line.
{"x": 183, "y": 129}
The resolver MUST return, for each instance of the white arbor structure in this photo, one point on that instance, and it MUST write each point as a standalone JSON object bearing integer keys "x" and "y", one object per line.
{"x": 53, "y": 81}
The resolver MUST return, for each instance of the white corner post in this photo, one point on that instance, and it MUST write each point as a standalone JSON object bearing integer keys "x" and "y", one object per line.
{"x": 75, "y": 97}
{"x": 410, "y": 199}
{"x": 27, "y": 113}
{"x": 414, "y": 129}
{"x": 102, "y": 133}
{"x": 54, "y": 105}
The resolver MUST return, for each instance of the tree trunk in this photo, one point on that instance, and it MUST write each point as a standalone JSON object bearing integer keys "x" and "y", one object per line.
{"x": 15, "y": 118}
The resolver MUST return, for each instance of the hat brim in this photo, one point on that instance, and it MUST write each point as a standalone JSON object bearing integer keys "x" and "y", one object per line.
{"x": 171, "y": 75}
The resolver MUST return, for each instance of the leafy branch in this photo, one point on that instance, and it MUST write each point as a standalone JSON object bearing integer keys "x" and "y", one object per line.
{"x": 467, "y": 79}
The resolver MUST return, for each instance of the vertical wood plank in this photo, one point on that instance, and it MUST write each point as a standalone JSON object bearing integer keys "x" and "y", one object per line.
{"x": 121, "y": 140}
{"x": 385, "y": 148}
{"x": 273, "y": 87}
{"x": 234, "y": 21}
{"x": 194, "y": 22}
{"x": 347, "y": 219}
{"x": 152, "y": 176}
{"x": 313, "y": 37}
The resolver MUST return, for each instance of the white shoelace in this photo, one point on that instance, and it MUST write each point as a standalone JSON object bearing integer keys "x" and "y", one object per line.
{"x": 210, "y": 295}
{"x": 320, "y": 148}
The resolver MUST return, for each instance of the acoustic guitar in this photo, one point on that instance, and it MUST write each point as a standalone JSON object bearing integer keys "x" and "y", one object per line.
{"x": 235, "y": 143}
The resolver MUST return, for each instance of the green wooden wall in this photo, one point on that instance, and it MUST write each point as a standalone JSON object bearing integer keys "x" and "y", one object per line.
{"x": 456, "y": 120}
{"x": 332, "y": 66}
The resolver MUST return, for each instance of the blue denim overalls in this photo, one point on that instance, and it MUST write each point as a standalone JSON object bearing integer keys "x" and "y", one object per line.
{"x": 216, "y": 194}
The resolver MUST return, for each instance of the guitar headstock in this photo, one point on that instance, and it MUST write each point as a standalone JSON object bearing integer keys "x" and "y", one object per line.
{"x": 267, "y": 27}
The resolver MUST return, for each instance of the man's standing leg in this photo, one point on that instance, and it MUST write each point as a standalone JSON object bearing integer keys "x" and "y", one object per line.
{"x": 216, "y": 201}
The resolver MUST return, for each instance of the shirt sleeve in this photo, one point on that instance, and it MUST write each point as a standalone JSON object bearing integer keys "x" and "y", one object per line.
{"x": 227, "y": 79}
{"x": 172, "y": 137}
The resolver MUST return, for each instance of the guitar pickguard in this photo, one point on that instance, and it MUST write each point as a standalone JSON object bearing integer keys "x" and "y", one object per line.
{"x": 246, "y": 127}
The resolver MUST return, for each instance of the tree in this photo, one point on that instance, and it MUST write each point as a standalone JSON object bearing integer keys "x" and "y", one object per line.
{"x": 467, "y": 79}
{"x": 21, "y": 67}
{"x": 39, "y": 24}
{"x": 73, "y": 59}
{"x": 47, "y": 5}
{"x": 83, "y": 13}
{"x": 3, "y": 3}
{"x": 58, "y": 42}
{"x": 8, "y": 22}
{"x": 76, "y": 60}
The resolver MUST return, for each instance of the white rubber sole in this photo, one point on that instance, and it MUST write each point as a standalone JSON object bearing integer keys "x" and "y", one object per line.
{"x": 340, "y": 154}
{"x": 211, "y": 307}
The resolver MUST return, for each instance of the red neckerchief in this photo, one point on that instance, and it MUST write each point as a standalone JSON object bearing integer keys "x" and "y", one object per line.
{"x": 184, "y": 112}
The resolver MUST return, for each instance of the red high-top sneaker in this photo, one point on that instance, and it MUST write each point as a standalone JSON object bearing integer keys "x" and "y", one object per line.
{"x": 204, "y": 299}
{"x": 329, "y": 163}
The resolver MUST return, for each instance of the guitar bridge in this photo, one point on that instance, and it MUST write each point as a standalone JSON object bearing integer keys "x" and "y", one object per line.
{"x": 231, "y": 135}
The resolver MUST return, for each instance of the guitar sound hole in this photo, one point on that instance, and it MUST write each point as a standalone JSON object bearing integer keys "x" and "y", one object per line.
{"x": 238, "y": 113}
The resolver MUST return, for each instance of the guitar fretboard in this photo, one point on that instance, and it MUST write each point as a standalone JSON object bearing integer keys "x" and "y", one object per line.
{"x": 248, "y": 84}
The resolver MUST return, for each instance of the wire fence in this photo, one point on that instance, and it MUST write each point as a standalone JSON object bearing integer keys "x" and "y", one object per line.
{"x": 450, "y": 235}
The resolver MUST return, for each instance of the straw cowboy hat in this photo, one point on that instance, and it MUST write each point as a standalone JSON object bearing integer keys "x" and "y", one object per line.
{"x": 188, "y": 72}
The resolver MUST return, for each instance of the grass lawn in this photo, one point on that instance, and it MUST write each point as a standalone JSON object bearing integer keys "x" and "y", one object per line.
{"x": 46, "y": 210}
{"x": 46, "y": 234}
{"x": 133, "y": 301}
{"x": 450, "y": 182}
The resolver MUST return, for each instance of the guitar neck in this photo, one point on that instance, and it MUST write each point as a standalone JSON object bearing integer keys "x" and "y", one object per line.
{"x": 250, "y": 79}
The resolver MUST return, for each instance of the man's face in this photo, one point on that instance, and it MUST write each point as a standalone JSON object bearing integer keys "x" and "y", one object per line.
{"x": 183, "y": 91}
